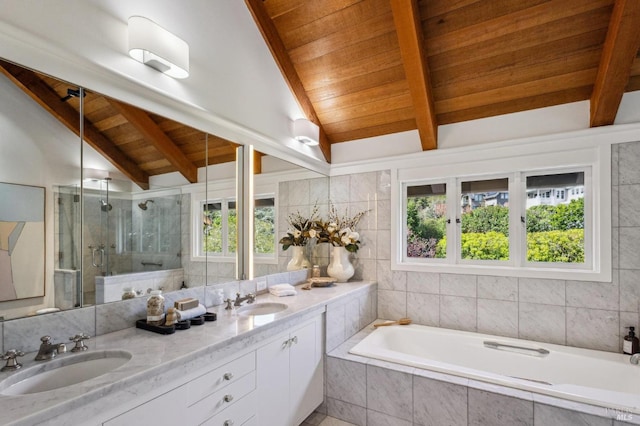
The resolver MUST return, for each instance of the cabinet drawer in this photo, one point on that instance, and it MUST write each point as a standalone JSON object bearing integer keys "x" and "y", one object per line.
{"x": 223, "y": 399}
{"x": 240, "y": 414}
{"x": 220, "y": 377}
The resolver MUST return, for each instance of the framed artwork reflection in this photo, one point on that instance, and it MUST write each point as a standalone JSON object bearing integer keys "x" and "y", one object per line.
{"x": 22, "y": 241}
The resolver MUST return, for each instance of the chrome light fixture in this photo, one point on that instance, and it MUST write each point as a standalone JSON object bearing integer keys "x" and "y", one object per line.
{"x": 306, "y": 131}
{"x": 156, "y": 47}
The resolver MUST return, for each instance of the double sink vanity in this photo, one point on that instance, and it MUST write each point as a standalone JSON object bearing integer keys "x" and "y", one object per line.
{"x": 257, "y": 364}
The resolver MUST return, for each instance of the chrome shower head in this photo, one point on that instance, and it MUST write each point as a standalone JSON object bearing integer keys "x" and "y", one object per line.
{"x": 143, "y": 205}
{"x": 104, "y": 206}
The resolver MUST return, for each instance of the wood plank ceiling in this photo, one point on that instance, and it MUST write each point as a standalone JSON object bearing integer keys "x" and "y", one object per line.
{"x": 138, "y": 143}
{"x": 363, "y": 68}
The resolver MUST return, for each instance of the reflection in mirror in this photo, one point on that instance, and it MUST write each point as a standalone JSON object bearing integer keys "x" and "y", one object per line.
{"x": 119, "y": 215}
{"x": 283, "y": 189}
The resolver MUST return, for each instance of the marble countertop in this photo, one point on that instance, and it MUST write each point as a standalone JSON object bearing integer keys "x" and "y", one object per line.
{"x": 164, "y": 358}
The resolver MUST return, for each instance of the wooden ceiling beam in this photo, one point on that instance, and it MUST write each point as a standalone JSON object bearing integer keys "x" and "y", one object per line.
{"x": 30, "y": 83}
{"x": 406, "y": 15}
{"x": 153, "y": 134}
{"x": 282, "y": 58}
{"x": 620, "y": 48}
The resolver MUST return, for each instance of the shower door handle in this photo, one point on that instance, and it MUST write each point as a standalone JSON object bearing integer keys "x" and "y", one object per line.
{"x": 93, "y": 255}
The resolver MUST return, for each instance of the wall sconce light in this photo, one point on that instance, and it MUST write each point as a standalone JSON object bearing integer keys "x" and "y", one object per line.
{"x": 156, "y": 47}
{"x": 306, "y": 132}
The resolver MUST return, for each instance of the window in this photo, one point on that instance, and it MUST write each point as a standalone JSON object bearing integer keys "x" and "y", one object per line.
{"x": 484, "y": 225}
{"x": 517, "y": 220}
{"x": 264, "y": 227}
{"x": 218, "y": 220}
{"x": 426, "y": 223}
{"x": 555, "y": 229}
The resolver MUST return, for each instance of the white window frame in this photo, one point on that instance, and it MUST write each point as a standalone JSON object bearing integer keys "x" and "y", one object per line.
{"x": 513, "y": 159}
{"x": 198, "y": 199}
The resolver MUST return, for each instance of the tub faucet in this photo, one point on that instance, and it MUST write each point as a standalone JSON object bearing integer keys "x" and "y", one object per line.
{"x": 48, "y": 350}
{"x": 250, "y": 298}
{"x": 635, "y": 359}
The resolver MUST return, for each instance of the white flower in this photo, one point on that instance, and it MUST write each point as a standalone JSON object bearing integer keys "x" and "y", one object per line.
{"x": 332, "y": 227}
{"x": 354, "y": 236}
{"x": 345, "y": 231}
{"x": 296, "y": 233}
{"x": 312, "y": 233}
{"x": 345, "y": 240}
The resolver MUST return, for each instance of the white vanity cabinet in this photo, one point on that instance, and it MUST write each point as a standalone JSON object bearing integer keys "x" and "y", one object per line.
{"x": 290, "y": 375}
{"x": 222, "y": 396}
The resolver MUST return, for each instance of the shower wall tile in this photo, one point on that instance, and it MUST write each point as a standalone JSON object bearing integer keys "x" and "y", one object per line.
{"x": 438, "y": 403}
{"x": 383, "y": 213}
{"x": 629, "y": 198}
{"x": 593, "y": 329}
{"x": 384, "y": 185}
{"x": 24, "y": 333}
{"x": 383, "y": 245}
{"x": 499, "y": 288}
{"x": 498, "y": 317}
{"x": 544, "y": 323}
{"x": 615, "y": 206}
{"x": 363, "y": 187}
{"x": 339, "y": 189}
{"x": 534, "y": 290}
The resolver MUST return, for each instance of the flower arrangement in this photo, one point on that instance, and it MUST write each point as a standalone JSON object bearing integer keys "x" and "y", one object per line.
{"x": 301, "y": 229}
{"x": 340, "y": 231}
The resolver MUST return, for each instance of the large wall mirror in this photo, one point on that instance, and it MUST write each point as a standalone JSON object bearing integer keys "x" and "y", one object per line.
{"x": 282, "y": 189}
{"x": 131, "y": 208}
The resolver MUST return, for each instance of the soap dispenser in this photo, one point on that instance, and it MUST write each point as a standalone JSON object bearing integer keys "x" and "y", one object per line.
{"x": 631, "y": 345}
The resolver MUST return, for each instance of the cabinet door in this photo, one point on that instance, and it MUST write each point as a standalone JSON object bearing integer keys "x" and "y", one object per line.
{"x": 273, "y": 383}
{"x": 305, "y": 371}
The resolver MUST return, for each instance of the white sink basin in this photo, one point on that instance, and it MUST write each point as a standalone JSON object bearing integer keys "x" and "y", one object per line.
{"x": 67, "y": 370}
{"x": 262, "y": 309}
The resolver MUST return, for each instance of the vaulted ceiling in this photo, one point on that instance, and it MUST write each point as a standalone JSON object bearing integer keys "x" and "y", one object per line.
{"x": 363, "y": 68}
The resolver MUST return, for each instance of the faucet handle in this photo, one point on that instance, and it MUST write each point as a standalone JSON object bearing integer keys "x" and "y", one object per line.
{"x": 46, "y": 340}
{"x": 11, "y": 357}
{"x": 251, "y": 297}
{"x": 79, "y": 339}
{"x": 229, "y": 303}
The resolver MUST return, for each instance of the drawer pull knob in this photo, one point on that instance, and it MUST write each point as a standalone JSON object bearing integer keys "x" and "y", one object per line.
{"x": 228, "y": 398}
{"x": 228, "y": 376}
{"x": 228, "y": 423}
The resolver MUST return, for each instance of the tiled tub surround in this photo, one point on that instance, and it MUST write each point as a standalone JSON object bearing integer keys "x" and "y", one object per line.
{"x": 590, "y": 315}
{"x": 161, "y": 359}
{"x": 370, "y": 392}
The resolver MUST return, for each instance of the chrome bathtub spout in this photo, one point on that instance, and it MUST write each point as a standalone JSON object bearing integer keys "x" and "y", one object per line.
{"x": 635, "y": 359}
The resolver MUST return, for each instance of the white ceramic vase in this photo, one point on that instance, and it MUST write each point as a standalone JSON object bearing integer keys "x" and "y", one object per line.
{"x": 299, "y": 260}
{"x": 340, "y": 267}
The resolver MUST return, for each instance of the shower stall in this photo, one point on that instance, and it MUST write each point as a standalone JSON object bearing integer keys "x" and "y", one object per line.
{"x": 123, "y": 232}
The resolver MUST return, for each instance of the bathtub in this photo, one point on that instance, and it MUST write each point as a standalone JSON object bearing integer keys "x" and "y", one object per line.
{"x": 599, "y": 378}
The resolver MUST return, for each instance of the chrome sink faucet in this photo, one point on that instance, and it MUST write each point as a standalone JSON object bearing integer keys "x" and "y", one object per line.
{"x": 48, "y": 350}
{"x": 249, "y": 297}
